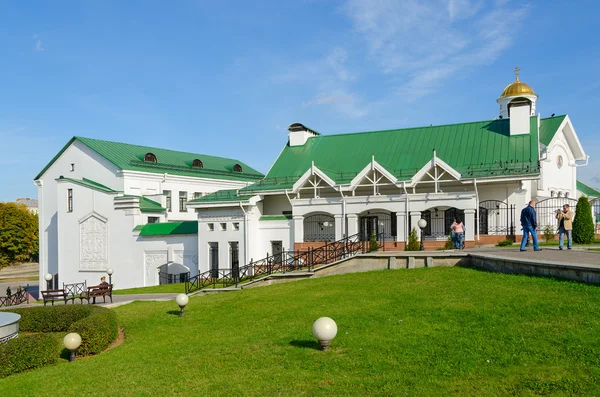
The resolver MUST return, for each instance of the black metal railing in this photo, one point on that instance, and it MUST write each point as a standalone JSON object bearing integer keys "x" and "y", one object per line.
{"x": 285, "y": 261}
{"x": 21, "y": 296}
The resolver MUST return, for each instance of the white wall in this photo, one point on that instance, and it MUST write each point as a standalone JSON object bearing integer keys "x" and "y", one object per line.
{"x": 275, "y": 205}
{"x": 217, "y": 216}
{"x": 563, "y": 179}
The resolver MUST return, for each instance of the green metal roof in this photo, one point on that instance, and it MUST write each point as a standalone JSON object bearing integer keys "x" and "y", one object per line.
{"x": 147, "y": 205}
{"x": 169, "y": 228}
{"x": 131, "y": 157}
{"x": 275, "y": 218}
{"x": 138, "y": 228}
{"x": 549, "y": 127}
{"x": 476, "y": 149}
{"x": 226, "y": 195}
{"x": 588, "y": 191}
{"x": 89, "y": 184}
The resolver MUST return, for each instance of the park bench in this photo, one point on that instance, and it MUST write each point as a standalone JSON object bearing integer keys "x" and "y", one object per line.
{"x": 54, "y": 294}
{"x": 97, "y": 291}
{"x": 75, "y": 290}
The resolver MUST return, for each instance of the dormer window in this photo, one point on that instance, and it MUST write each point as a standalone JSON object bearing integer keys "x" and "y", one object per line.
{"x": 197, "y": 164}
{"x": 150, "y": 158}
{"x": 237, "y": 168}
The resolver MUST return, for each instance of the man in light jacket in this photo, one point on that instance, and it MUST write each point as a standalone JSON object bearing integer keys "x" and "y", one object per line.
{"x": 565, "y": 225}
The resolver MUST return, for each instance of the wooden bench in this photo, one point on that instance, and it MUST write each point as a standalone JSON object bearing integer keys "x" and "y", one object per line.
{"x": 54, "y": 294}
{"x": 96, "y": 291}
{"x": 75, "y": 290}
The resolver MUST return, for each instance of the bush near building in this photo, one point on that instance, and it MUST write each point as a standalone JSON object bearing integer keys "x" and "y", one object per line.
{"x": 18, "y": 234}
{"x": 413, "y": 241}
{"x": 583, "y": 224}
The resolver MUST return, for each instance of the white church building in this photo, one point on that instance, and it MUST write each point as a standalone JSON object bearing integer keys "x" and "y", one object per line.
{"x": 157, "y": 216}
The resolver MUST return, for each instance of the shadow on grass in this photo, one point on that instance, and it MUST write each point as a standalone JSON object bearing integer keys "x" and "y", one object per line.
{"x": 173, "y": 312}
{"x": 306, "y": 344}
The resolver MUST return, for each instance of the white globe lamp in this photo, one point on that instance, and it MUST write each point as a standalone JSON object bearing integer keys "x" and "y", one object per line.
{"x": 110, "y": 272}
{"x": 182, "y": 301}
{"x": 422, "y": 225}
{"x": 72, "y": 342}
{"x": 324, "y": 330}
{"x": 48, "y": 278}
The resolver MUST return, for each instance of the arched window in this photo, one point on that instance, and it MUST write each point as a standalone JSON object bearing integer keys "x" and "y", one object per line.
{"x": 237, "y": 168}
{"x": 150, "y": 158}
{"x": 197, "y": 163}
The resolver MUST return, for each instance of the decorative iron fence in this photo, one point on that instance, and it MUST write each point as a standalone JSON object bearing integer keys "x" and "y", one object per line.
{"x": 282, "y": 262}
{"x": 378, "y": 223}
{"x": 172, "y": 278}
{"x": 595, "y": 204}
{"x": 319, "y": 227}
{"x": 496, "y": 218}
{"x": 21, "y": 296}
{"x": 546, "y": 210}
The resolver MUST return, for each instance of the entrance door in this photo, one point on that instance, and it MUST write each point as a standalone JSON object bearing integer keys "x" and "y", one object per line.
{"x": 234, "y": 257}
{"x": 276, "y": 249}
{"x": 213, "y": 259}
{"x": 369, "y": 225}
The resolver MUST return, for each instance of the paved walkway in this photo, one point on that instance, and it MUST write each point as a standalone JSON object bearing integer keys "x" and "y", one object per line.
{"x": 548, "y": 254}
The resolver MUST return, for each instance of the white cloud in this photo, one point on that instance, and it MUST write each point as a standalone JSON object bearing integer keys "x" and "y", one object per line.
{"x": 39, "y": 46}
{"x": 341, "y": 101}
{"x": 337, "y": 62}
{"x": 421, "y": 44}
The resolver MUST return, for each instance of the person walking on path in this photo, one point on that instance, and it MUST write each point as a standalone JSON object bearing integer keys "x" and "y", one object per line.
{"x": 565, "y": 225}
{"x": 457, "y": 232}
{"x": 529, "y": 224}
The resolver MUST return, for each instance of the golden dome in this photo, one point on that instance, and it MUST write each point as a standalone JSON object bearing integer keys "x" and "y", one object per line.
{"x": 517, "y": 88}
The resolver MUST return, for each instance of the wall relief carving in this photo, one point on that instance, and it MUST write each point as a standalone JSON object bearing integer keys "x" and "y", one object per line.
{"x": 93, "y": 243}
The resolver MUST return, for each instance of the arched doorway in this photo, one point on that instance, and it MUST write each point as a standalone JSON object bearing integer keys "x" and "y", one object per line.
{"x": 319, "y": 227}
{"x": 379, "y": 223}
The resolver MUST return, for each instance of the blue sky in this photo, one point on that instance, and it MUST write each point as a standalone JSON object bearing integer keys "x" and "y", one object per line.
{"x": 228, "y": 78}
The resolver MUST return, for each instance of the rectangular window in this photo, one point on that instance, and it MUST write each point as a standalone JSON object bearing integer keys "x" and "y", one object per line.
{"x": 72, "y": 167}
{"x": 211, "y": 227}
{"x": 213, "y": 259}
{"x": 236, "y": 226}
{"x": 69, "y": 200}
{"x": 286, "y": 212}
{"x": 234, "y": 257}
{"x": 168, "y": 194}
{"x": 198, "y": 195}
{"x": 223, "y": 227}
{"x": 153, "y": 219}
{"x": 182, "y": 201}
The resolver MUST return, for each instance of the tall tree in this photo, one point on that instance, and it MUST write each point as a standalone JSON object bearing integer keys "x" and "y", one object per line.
{"x": 583, "y": 224}
{"x": 18, "y": 234}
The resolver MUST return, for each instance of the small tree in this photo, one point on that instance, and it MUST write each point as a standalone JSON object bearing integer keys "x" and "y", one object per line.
{"x": 449, "y": 243}
{"x": 18, "y": 234}
{"x": 583, "y": 224}
{"x": 373, "y": 244}
{"x": 548, "y": 233}
{"x": 413, "y": 241}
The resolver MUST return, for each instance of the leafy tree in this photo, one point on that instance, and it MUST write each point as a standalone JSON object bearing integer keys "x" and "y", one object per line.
{"x": 583, "y": 224}
{"x": 373, "y": 245}
{"x": 18, "y": 234}
{"x": 413, "y": 241}
{"x": 548, "y": 233}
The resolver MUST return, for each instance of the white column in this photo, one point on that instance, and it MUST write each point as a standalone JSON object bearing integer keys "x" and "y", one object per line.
{"x": 298, "y": 228}
{"x": 400, "y": 226}
{"x": 470, "y": 224}
{"x": 339, "y": 223}
{"x": 352, "y": 224}
{"x": 414, "y": 222}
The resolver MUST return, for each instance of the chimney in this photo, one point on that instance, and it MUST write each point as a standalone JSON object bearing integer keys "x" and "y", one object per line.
{"x": 520, "y": 114}
{"x": 299, "y": 134}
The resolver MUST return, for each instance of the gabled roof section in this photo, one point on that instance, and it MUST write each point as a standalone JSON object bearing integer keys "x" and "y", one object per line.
{"x": 89, "y": 184}
{"x": 311, "y": 172}
{"x": 131, "y": 157}
{"x": 372, "y": 166}
{"x": 587, "y": 190}
{"x": 435, "y": 162}
{"x": 475, "y": 150}
{"x": 169, "y": 228}
{"x": 549, "y": 128}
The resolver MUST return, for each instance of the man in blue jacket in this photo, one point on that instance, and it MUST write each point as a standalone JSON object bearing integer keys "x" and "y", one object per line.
{"x": 529, "y": 224}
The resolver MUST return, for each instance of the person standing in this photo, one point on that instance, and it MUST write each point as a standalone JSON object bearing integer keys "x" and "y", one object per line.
{"x": 565, "y": 225}
{"x": 457, "y": 232}
{"x": 529, "y": 224}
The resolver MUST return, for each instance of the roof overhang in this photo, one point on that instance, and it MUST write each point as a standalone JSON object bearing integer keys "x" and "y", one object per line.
{"x": 312, "y": 171}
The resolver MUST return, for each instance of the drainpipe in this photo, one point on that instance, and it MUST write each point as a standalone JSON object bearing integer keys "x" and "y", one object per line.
{"x": 292, "y": 243}
{"x": 343, "y": 213}
{"x": 245, "y": 234}
{"x": 406, "y": 231}
{"x": 476, "y": 208}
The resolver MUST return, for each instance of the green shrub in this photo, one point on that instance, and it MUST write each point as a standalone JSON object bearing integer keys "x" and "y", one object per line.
{"x": 97, "y": 331}
{"x": 28, "y": 352}
{"x": 548, "y": 233}
{"x": 505, "y": 243}
{"x": 449, "y": 243}
{"x": 97, "y": 326}
{"x": 583, "y": 224}
{"x": 373, "y": 244}
{"x": 413, "y": 241}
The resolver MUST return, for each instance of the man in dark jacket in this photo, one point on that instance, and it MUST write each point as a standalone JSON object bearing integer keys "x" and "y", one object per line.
{"x": 529, "y": 224}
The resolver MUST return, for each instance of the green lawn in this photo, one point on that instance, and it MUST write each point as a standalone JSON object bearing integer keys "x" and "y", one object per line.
{"x": 418, "y": 332}
{"x": 157, "y": 289}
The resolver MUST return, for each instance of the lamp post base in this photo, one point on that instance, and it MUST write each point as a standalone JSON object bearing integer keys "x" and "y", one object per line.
{"x": 324, "y": 344}
{"x": 181, "y": 312}
{"x": 72, "y": 356}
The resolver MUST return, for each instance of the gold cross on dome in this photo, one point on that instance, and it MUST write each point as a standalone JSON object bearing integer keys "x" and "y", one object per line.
{"x": 517, "y": 72}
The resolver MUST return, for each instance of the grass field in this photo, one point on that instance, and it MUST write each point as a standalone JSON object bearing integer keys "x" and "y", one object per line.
{"x": 157, "y": 289}
{"x": 420, "y": 332}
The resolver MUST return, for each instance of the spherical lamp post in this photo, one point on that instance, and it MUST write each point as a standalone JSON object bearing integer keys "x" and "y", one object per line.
{"x": 72, "y": 342}
{"x": 110, "y": 271}
{"x": 182, "y": 300}
{"x": 324, "y": 330}
{"x": 48, "y": 278}
{"x": 422, "y": 225}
